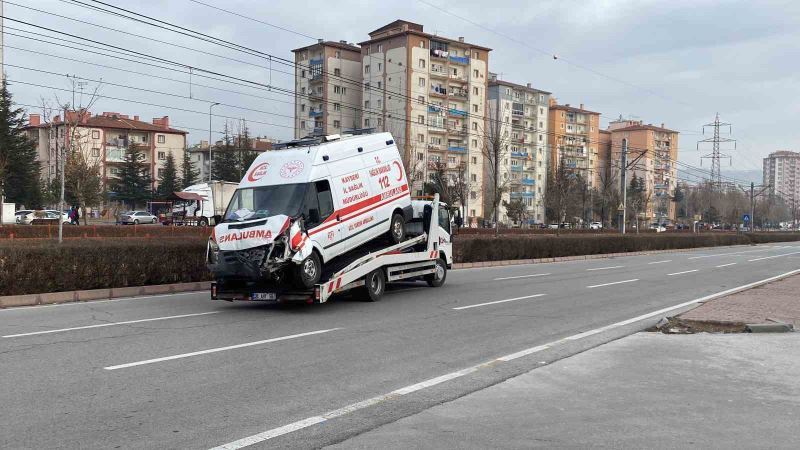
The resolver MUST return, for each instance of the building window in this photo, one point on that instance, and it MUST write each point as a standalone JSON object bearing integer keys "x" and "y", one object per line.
{"x": 380, "y": 67}
{"x": 380, "y": 122}
{"x": 420, "y": 156}
{"x": 337, "y": 89}
{"x": 338, "y": 54}
{"x": 337, "y": 124}
{"x": 474, "y": 160}
{"x": 474, "y": 142}
{"x": 421, "y": 44}
{"x": 302, "y": 107}
{"x": 366, "y": 123}
{"x": 380, "y": 48}
{"x": 96, "y": 152}
{"x": 302, "y": 124}
{"x": 474, "y": 108}
{"x": 421, "y": 99}
{"x": 160, "y": 173}
{"x": 95, "y": 134}
{"x": 379, "y": 84}
{"x": 380, "y": 103}
{"x": 161, "y": 138}
{"x": 475, "y": 73}
{"x": 421, "y": 82}
{"x": 366, "y": 68}
{"x": 473, "y": 177}
{"x": 337, "y": 107}
{"x": 162, "y": 156}
{"x": 476, "y": 54}
{"x": 337, "y": 72}
{"x": 474, "y": 91}
{"x": 421, "y": 119}
{"x": 421, "y": 63}
{"x": 421, "y": 138}
{"x": 562, "y": 114}
{"x": 475, "y": 126}
{"x": 302, "y": 74}
{"x": 366, "y": 103}
{"x": 562, "y": 126}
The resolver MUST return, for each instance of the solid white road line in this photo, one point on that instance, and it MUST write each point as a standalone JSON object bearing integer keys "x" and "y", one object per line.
{"x": 522, "y": 276}
{"x": 609, "y": 284}
{"x": 770, "y": 257}
{"x": 499, "y": 301}
{"x": 660, "y": 262}
{"x": 93, "y": 302}
{"x": 681, "y": 273}
{"x": 605, "y": 268}
{"x": 218, "y": 349}
{"x": 733, "y": 253}
{"x": 726, "y": 265}
{"x": 110, "y": 324}
{"x": 305, "y": 423}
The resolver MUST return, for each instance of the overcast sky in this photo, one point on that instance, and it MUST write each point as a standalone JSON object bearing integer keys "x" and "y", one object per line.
{"x": 676, "y": 62}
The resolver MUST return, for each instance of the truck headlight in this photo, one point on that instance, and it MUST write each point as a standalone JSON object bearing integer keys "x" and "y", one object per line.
{"x": 212, "y": 253}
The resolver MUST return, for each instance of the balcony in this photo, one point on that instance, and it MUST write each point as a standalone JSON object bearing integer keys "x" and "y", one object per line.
{"x": 438, "y": 72}
{"x": 317, "y": 130}
{"x": 519, "y": 154}
{"x": 459, "y": 60}
{"x": 458, "y": 78}
{"x": 315, "y": 62}
{"x": 516, "y": 168}
{"x": 522, "y": 195}
{"x": 315, "y": 113}
{"x": 458, "y": 130}
{"x": 456, "y": 112}
{"x": 437, "y": 90}
{"x": 528, "y": 181}
{"x": 462, "y": 94}
{"x": 457, "y": 149}
{"x": 517, "y": 112}
{"x": 436, "y": 147}
{"x": 434, "y": 109}
{"x": 315, "y": 94}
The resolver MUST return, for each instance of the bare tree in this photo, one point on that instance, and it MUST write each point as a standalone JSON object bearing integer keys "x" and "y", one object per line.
{"x": 415, "y": 168}
{"x": 560, "y": 195}
{"x": 495, "y": 151}
{"x": 608, "y": 196}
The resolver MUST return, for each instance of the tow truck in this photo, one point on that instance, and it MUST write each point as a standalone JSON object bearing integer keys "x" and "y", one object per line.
{"x": 426, "y": 256}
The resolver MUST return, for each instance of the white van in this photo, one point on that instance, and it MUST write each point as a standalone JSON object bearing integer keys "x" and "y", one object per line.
{"x": 309, "y": 201}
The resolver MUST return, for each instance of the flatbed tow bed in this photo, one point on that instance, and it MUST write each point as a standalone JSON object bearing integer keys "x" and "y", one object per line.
{"x": 417, "y": 257}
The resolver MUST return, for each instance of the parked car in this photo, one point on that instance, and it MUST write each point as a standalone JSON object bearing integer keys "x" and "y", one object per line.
{"x": 595, "y": 226}
{"x": 19, "y": 215}
{"x": 137, "y": 217}
{"x": 49, "y": 215}
{"x": 658, "y": 228}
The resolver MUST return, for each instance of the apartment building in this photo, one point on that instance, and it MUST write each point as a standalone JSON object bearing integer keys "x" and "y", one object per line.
{"x": 519, "y": 113}
{"x": 574, "y": 141}
{"x": 327, "y": 87}
{"x": 103, "y": 140}
{"x": 430, "y": 93}
{"x": 198, "y": 153}
{"x": 657, "y": 150}
{"x": 782, "y": 174}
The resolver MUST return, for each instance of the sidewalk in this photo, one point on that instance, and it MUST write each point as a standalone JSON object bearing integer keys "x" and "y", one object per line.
{"x": 648, "y": 390}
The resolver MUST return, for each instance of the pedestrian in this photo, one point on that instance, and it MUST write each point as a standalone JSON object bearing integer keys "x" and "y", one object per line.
{"x": 74, "y": 216}
{"x": 459, "y": 222}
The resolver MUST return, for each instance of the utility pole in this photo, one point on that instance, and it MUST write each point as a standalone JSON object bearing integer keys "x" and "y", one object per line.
{"x": 62, "y": 156}
{"x": 209, "y": 140}
{"x": 716, "y": 155}
{"x": 753, "y": 195}
{"x": 624, "y": 183}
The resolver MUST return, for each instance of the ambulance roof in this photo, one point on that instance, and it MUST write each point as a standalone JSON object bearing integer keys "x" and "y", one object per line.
{"x": 304, "y": 163}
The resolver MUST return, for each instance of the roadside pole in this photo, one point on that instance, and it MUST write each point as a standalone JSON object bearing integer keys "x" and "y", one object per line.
{"x": 62, "y": 157}
{"x": 624, "y": 183}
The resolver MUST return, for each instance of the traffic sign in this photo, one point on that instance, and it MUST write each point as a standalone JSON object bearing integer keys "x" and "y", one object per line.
{"x": 746, "y": 218}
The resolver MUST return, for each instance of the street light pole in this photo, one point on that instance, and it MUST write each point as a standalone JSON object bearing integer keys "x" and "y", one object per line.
{"x": 210, "y": 159}
{"x": 624, "y": 168}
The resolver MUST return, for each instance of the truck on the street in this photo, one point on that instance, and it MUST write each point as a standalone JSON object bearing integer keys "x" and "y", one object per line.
{"x": 203, "y": 204}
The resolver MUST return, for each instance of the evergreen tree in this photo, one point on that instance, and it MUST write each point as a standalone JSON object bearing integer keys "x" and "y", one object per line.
{"x": 133, "y": 184}
{"x": 190, "y": 175}
{"x": 19, "y": 169}
{"x": 168, "y": 182}
{"x": 245, "y": 153}
{"x": 225, "y": 166}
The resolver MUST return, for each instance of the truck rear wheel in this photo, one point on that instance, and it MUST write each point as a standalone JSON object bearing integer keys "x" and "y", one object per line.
{"x": 307, "y": 273}
{"x": 437, "y": 278}
{"x": 397, "y": 229}
{"x": 374, "y": 285}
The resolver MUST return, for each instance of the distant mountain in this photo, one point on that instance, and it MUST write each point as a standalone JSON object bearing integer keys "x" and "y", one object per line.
{"x": 744, "y": 176}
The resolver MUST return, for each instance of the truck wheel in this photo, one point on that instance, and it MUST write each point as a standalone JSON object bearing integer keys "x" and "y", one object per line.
{"x": 307, "y": 273}
{"x": 374, "y": 285}
{"x": 203, "y": 222}
{"x": 437, "y": 278}
{"x": 397, "y": 230}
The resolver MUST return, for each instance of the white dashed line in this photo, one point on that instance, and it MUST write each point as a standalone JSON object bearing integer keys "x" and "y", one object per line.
{"x": 770, "y": 257}
{"x": 218, "y": 349}
{"x": 609, "y": 284}
{"x": 522, "y": 276}
{"x": 734, "y": 253}
{"x": 660, "y": 262}
{"x": 111, "y": 324}
{"x": 681, "y": 273}
{"x": 726, "y": 265}
{"x": 605, "y": 268}
{"x": 499, "y": 301}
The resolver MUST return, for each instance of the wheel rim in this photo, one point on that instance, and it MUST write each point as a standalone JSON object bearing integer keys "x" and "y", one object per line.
{"x": 439, "y": 271}
{"x": 309, "y": 268}
{"x": 397, "y": 228}
{"x": 375, "y": 284}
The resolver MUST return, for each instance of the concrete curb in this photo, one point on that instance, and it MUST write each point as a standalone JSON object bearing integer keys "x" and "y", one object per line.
{"x": 51, "y": 298}
{"x": 510, "y": 262}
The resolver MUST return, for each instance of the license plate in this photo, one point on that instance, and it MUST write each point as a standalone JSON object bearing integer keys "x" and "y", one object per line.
{"x": 264, "y": 296}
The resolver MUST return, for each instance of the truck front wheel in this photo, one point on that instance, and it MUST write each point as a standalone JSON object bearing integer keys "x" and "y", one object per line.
{"x": 437, "y": 278}
{"x": 374, "y": 285}
{"x": 307, "y": 273}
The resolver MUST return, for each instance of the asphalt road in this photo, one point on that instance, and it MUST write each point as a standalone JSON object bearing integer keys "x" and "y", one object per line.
{"x": 182, "y": 371}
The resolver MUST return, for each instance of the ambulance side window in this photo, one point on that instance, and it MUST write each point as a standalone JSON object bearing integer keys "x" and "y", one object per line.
{"x": 324, "y": 199}
{"x": 318, "y": 203}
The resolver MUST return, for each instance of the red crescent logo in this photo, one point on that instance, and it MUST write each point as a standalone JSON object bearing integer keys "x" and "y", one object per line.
{"x": 258, "y": 172}
{"x": 400, "y": 170}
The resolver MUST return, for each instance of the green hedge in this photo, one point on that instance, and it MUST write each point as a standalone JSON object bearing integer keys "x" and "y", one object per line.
{"x": 30, "y": 267}
{"x": 475, "y": 249}
{"x": 80, "y": 231}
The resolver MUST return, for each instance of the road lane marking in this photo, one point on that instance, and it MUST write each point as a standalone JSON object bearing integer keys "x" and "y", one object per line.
{"x": 770, "y": 257}
{"x": 522, "y": 276}
{"x": 499, "y": 301}
{"x": 734, "y": 253}
{"x": 660, "y": 262}
{"x": 111, "y": 324}
{"x": 609, "y": 284}
{"x": 305, "y": 423}
{"x": 605, "y": 268}
{"x": 726, "y": 265}
{"x": 92, "y": 302}
{"x": 681, "y": 273}
{"x": 218, "y": 349}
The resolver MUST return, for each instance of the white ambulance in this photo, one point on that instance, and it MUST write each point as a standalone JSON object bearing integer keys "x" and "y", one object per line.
{"x": 300, "y": 206}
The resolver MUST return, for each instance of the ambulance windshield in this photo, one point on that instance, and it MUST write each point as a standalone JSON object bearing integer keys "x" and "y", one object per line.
{"x": 265, "y": 201}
